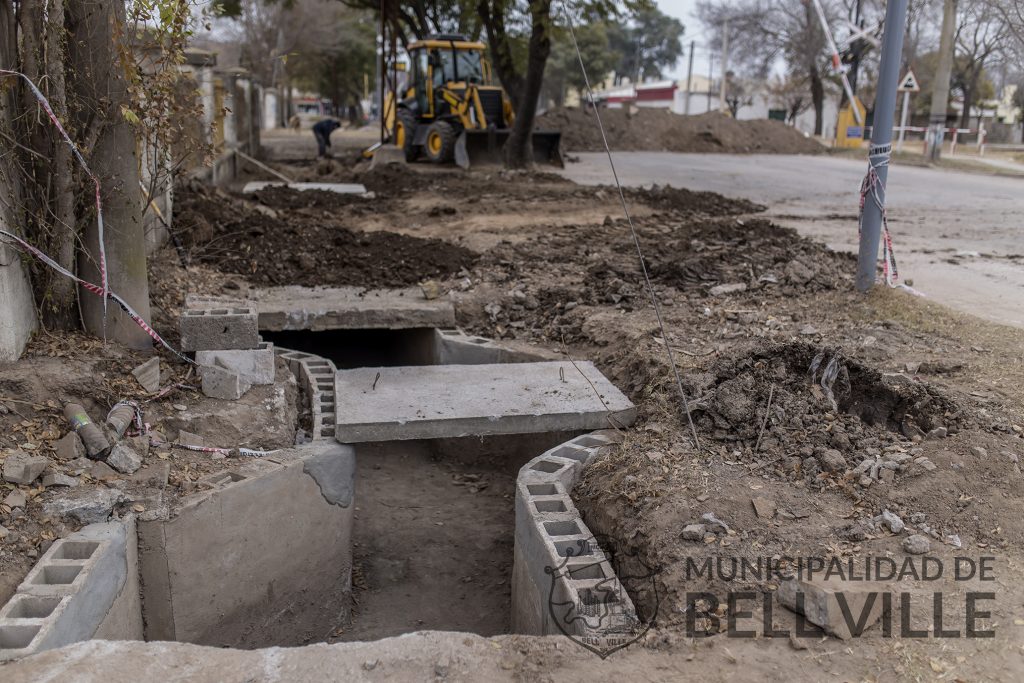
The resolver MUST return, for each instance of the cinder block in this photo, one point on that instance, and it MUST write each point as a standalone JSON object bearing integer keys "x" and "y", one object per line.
{"x": 222, "y": 383}
{"x": 21, "y": 468}
{"x": 256, "y": 366}
{"x": 68, "y": 594}
{"x": 214, "y": 329}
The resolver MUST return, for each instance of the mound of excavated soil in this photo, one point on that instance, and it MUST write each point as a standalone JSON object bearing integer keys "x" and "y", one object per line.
{"x": 657, "y": 130}
{"x": 272, "y": 247}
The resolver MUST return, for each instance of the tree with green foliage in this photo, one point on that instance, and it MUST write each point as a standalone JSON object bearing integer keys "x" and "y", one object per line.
{"x": 647, "y": 44}
{"x": 563, "y": 69}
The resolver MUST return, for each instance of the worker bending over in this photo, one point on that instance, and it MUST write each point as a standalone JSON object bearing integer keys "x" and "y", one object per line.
{"x": 322, "y": 132}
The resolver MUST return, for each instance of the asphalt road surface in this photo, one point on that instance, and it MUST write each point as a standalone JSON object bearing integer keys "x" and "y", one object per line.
{"x": 958, "y": 237}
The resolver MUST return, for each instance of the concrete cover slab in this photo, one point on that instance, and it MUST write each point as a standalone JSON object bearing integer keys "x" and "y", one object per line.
{"x": 341, "y": 308}
{"x": 340, "y": 188}
{"x": 427, "y": 402}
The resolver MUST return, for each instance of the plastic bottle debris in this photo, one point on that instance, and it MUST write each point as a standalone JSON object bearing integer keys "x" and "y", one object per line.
{"x": 96, "y": 444}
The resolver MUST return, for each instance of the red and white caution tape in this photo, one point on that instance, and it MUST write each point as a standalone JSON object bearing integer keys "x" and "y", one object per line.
{"x": 871, "y": 186}
{"x": 252, "y": 452}
{"x": 24, "y": 246}
{"x": 103, "y": 288}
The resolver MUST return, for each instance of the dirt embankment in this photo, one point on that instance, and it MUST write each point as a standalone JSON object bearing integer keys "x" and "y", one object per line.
{"x": 655, "y": 130}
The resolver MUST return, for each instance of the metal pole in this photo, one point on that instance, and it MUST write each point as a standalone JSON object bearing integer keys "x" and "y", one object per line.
{"x": 903, "y": 119}
{"x": 725, "y": 64}
{"x": 881, "y": 139}
{"x": 689, "y": 78}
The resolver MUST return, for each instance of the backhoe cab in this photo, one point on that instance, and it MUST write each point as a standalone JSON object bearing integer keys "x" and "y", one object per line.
{"x": 451, "y": 110}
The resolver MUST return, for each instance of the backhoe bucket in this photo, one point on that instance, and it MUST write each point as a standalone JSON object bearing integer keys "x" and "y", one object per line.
{"x": 547, "y": 148}
{"x": 482, "y": 147}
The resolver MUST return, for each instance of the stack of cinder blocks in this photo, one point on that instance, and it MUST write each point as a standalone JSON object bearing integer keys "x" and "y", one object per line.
{"x": 228, "y": 350}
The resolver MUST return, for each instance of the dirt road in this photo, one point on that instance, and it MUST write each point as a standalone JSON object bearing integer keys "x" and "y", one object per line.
{"x": 957, "y": 235}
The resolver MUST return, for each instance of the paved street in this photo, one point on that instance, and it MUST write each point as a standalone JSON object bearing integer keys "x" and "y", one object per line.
{"x": 959, "y": 237}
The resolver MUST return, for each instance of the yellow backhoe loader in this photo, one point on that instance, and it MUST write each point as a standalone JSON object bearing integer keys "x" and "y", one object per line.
{"x": 450, "y": 109}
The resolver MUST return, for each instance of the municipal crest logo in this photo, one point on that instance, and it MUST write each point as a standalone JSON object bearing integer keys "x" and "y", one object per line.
{"x": 601, "y": 599}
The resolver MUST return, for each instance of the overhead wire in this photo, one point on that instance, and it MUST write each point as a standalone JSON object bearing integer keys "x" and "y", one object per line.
{"x": 632, "y": 228}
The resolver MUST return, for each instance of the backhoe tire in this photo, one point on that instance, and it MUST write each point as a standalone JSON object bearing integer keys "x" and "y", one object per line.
{"x": 440, "y": 144}
{"x": 405, "y": 133}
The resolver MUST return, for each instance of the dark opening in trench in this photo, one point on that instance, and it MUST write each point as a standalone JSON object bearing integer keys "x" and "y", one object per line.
{"x": 362, "y": 348}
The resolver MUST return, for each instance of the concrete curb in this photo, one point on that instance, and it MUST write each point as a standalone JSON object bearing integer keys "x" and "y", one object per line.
{"x": 558, "y": 565}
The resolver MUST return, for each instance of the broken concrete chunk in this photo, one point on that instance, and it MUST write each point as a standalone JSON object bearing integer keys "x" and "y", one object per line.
{"x": 257, "y": 366}
{"x": 730, "y": 288}
{"x": 58, "y": 479}
{"x": 190, "y": 439}
{"x": 763, "y": 507}
{"x": 69, "y": 447}
{"x": 693, "y": 532}
{"x": 148, "y": 374}
{"x": 713, "y": 524}
{"x": 222, "y": 383}
{"x": 101, "y": 470}
{"x": 822, "y": 602}
{"x": 21, "y": 468}
{"x": 124, "y": 459}
{"x": 893, "y": 521}
{"x": 16, "y": 499}
{"x": 937, "y": 433}
{"x": 88, "y": 505}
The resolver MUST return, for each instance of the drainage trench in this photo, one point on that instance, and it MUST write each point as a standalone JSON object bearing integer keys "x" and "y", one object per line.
{"x": 328, "y": 542}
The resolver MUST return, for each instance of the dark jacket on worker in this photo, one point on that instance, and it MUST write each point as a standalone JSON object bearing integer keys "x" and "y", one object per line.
{"x": 322, "y": 132}
{"x": 325, "y": 128}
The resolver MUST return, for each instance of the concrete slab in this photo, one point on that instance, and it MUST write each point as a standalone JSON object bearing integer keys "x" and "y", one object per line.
{"x": 340, "y": 188}
{"x": 429, "y": 402}
{"x": 340, "y": 308}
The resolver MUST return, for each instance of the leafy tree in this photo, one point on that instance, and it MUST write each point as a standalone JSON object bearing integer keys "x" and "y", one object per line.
{"x": 563, "y": 69}
{"x": 646, "y": 44}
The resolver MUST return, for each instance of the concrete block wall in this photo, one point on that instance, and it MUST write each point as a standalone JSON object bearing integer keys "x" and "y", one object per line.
{"x": 85, "y": 586}
{"x": 262, "y": 556}
{"x": 558, "y": 566}
{"x": 316, "y": 376}
{"x": 452, "y": 346}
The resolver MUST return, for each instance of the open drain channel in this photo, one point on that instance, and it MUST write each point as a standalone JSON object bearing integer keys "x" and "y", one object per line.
{"x": 423, "y": 521}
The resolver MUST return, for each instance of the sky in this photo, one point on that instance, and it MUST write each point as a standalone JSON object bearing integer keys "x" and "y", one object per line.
{"x": 683, "y": 10}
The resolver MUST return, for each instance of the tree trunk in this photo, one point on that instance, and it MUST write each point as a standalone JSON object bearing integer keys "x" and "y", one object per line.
{"x": 49, "y": 200}
{"x": 492, "y": 14}
{"x": 817, "y": 99}
{"x": 965, "y": 115}
{"x": 101, "y": 90}
{"x": 518, "y": 149}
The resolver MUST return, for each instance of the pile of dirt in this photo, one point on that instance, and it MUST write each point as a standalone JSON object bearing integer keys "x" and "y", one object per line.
{"x": 269, "y": 247}
{"x": 822, "y": 411}
{"x": 690, "y": 259}
{"x": 660, "y": 130}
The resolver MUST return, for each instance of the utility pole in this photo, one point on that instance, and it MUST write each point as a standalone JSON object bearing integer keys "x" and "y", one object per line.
{"x": 689, "y": 78}
{"x": 881, "y": 141}
{"x": 711, "y": 74}
{"x": 940, "y": 87}
{"x": 725, "y": 63}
